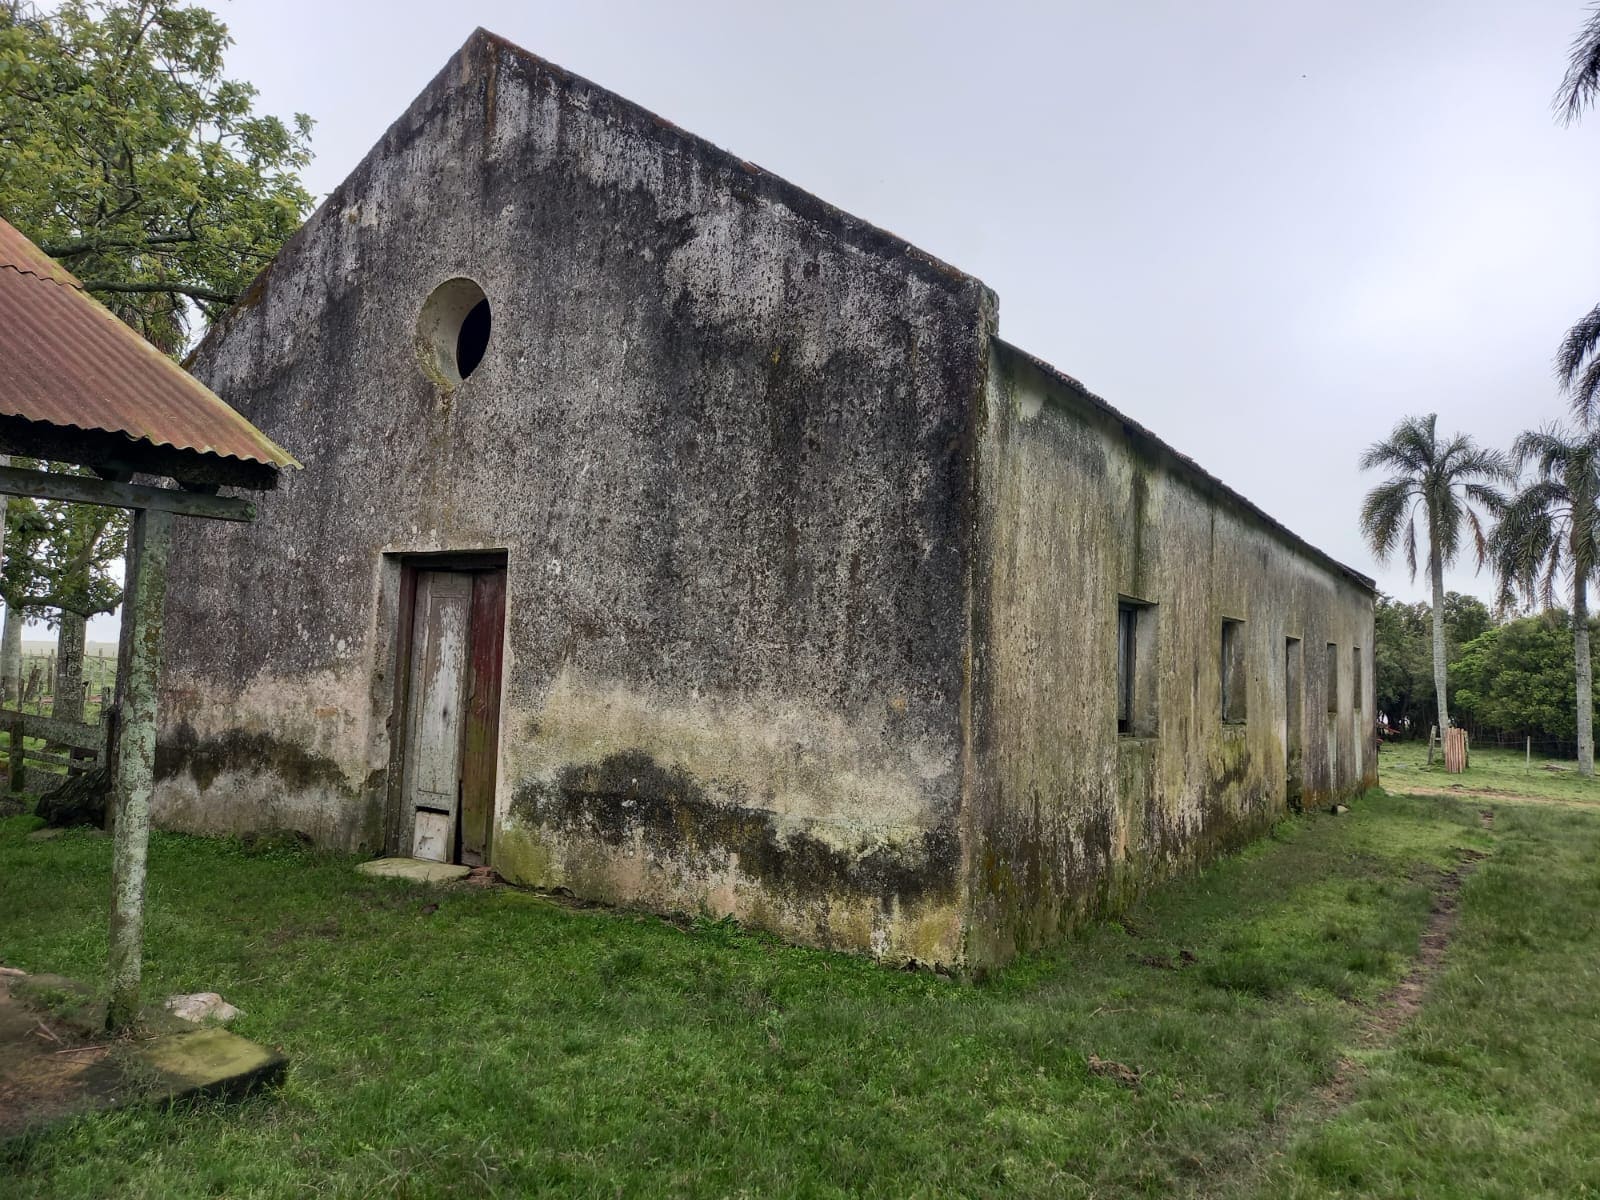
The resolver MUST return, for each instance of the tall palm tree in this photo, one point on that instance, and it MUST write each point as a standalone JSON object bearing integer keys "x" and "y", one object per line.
{"x": 1551, "y": 530}
{"x": 1448, "y": 481}
{"x": 1577, "y": 363}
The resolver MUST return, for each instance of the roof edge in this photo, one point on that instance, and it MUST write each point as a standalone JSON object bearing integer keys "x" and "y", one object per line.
{"x": 1187, "y": 466}
{"x": 483, "y": 43}
{"x": 793, "y": 195}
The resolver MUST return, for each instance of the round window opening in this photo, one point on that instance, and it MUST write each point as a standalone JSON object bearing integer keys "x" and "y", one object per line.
{"x": 453, "y": 331}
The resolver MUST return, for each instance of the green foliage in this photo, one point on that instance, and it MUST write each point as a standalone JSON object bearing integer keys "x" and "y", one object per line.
{"x": 60, "y": 556}
{"x": 1520, "y": 678}
{"x": 1465, "y": 617}
{"x": 1403, "y": 654}
{"x": 126, "y": 153}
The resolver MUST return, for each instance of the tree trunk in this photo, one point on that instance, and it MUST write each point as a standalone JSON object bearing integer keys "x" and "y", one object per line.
{"x": 1580, "y": 650}
{"x": 11, "y": 657}
{"x": 69, "y": 668}
{"x": 1440, "y": 681}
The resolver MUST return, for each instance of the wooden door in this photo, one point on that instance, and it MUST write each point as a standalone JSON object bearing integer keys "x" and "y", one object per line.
{"x": 452, "y": 724}
{"x": 438, "y": 683}
{"x": 480, "y": 740}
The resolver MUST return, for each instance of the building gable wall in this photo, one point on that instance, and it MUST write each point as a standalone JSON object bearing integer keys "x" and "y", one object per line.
{"x": 722, "y": 433}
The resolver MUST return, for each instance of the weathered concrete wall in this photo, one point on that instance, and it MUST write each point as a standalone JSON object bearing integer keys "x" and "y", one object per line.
{"x": 723, "y": 433}
{"x": 1078, "y": 507}
{"x": 812, "y": 584}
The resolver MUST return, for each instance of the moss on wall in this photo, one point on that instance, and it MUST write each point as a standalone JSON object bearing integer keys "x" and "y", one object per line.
{"x": 1077, "y": 508}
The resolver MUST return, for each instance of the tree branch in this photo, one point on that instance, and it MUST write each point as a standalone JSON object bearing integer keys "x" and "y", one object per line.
{"x": 94, "y": 245}
{"x": 171, "y": 289}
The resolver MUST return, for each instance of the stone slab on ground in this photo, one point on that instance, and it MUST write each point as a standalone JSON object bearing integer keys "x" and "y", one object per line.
{"x": 418, "y": 870}
{"x": 210, "y": 1062}
{"x": 55, "y": 1064}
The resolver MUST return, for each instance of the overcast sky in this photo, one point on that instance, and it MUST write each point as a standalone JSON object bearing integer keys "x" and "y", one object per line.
{"x": 1266, "y": 230}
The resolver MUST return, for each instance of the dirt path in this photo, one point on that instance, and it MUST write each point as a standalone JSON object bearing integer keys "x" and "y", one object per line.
{"x": 1378, "y": 1028}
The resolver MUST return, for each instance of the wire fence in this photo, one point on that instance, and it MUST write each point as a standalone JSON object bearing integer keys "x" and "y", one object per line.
{"x": 1544, "y": 747}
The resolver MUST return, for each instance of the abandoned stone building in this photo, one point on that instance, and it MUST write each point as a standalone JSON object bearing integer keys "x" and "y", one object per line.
{"x": 668, "y": 536}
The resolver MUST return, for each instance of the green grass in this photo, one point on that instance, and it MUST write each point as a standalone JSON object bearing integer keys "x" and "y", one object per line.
{"x": 1405, "y": 764}
{"x": 460, "y": 1042}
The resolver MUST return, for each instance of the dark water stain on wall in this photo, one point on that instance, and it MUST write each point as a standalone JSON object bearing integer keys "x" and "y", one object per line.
{"x": 182, "y": 751}
{"x": 629, "y": 794}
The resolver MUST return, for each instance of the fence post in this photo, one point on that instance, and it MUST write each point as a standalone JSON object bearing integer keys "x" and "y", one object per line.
{"x": 1527, "y": 765}
{"x": 133, "y": 767}
{"x": 14, "y": 751}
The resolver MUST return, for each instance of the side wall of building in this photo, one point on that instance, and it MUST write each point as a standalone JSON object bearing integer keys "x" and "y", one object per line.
{"x": 723, "y": 435}
{"x": 1081, "y": 513}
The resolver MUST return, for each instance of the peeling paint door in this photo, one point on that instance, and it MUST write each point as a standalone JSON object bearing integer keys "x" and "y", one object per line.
{"x": 481, "y": 733}
{"x": 443, "y": 615}
{"x": 454, "y": 634}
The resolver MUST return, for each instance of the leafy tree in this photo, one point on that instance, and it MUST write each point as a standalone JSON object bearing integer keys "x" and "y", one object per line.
{"x": 59, "y": 559}
{"x": 127, "y": 154}
{"x": 1448, "y": 481}
{"x": 1401, "y": 663}
{"x": 23, "y": 529}
{"x": 1551, "y": 531}
{"x": 1403, "y": 657}
{"x": 1465, "y": 618}
{"x": 1521, "y": 677}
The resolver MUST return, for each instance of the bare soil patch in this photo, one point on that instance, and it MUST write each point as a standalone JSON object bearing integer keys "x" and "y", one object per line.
{"x": 49, "y": 1067}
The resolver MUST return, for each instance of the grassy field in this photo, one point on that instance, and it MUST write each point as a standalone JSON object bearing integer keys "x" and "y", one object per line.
{"x": 465, "y": 1042}
{"x": 1405, "y": 765}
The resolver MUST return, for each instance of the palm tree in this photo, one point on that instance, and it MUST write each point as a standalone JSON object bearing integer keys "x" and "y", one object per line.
{"x": 1551, "y": 529}
{"x": 1448, "y": 481}
{"x": 1577, "y": 364}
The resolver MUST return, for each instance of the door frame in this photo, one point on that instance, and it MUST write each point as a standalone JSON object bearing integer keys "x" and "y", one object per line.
{"x": 396, "y": 821}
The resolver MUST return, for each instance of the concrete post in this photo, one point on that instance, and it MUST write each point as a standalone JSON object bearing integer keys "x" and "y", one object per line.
{"x": 133, "y": 770}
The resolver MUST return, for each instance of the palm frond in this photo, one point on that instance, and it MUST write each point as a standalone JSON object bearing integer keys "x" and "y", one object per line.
{"x": 1382, "y": 512}
{"x": 1491, "y": 499}
{"x": 1576, "y": 367}
{"x": 1409, "y": 447}
{"x": 1547, "y": 591}
{"x": 1581, "y": 84}
{"x": 1444, "y": 521}
{"x": 1480, "y": 542}
{"x": 1540, "y": 448}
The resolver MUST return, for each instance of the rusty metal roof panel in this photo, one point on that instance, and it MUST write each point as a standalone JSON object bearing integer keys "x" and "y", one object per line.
{"x": 68, "y": 360}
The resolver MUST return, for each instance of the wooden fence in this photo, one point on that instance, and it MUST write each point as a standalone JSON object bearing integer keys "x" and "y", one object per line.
{"x": 38, "y": 679}
{"x": 69, "y": 747}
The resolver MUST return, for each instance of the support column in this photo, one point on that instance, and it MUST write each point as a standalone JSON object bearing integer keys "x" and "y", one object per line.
{"x": 133, "y": 769}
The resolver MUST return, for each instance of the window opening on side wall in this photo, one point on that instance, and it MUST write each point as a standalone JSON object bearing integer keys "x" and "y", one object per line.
{"x": 1233, "y": 673}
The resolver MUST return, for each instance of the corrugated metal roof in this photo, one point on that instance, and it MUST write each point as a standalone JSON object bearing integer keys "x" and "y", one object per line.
{"x": 68, "y": 360}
